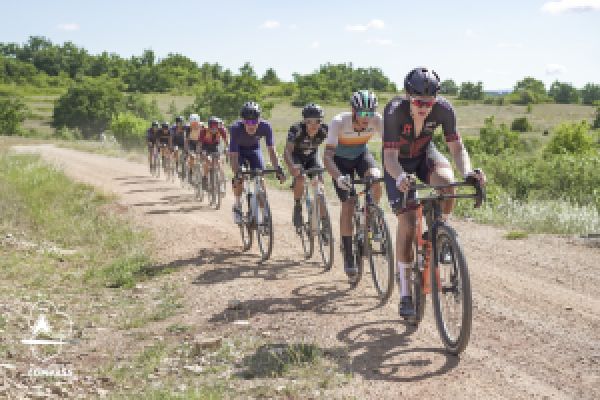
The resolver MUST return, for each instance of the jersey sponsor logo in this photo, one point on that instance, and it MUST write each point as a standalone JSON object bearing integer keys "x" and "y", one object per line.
{"x": 407, "y": 129}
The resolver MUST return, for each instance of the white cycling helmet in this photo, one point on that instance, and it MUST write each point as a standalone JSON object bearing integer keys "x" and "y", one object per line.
{"x": 194, "y": 118}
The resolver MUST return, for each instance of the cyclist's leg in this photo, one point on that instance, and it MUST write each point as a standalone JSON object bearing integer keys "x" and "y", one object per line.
{"x": 368, "y": 167}
{"x": 439, "y": 172}
{"x": 346, "y": 167}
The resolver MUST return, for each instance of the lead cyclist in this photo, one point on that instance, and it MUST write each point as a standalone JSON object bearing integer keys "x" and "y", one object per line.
{"x": 409, "y": 123}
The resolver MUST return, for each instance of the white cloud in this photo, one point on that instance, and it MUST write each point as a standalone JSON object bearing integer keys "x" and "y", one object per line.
{"x": 68, "y": 27}
{"x": 315, "y": 45}
{"x": 379, "y": 42}
{"x": 508, "y": 45}
{"x": 293, "y": 27}
{"x": 561, "y": 6}
{"x": 555, "y": 69}
{"x": 372, "y": 24}
{"x": 469, "y": 33}
{"x": 270, "y": 24}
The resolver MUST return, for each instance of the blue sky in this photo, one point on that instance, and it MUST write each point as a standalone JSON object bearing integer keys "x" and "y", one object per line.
{"x": 497, "y": 42}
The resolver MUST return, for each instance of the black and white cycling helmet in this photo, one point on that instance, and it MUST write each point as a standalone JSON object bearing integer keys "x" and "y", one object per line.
{"x": 165, "y": 125}
{"x": 422, "y": 81}
{"x": 313, "y": 110}
{"x": 250, "y": 110}
{"x": 213, "y": 120}
{"x": 155, "y": 124}
{"x": 179, "y": 119}
{"x": 363, "y": 100}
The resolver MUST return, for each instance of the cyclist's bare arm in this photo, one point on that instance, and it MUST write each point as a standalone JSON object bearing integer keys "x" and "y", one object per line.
{"x": 460, "y": 156}
{"x": 233, "y": 157}
{"x": 273, "y": 156}
{"x": 330, "y": 163}
{"x": 391, "y": 163}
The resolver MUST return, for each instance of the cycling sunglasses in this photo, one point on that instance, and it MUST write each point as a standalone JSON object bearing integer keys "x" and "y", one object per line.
{"x": 312, "y": 121}
{"x": 251, "y": 122}
{"x": 422, "y": 103}
{"x": 363, "y": 114}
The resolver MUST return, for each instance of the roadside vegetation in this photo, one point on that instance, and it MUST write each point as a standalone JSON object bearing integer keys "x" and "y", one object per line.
{"x": 538, "y": 144}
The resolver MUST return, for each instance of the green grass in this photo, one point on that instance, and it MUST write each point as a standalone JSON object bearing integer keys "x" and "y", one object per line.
{"x": 514, "y": 235}
{"x": 40, "y": 205}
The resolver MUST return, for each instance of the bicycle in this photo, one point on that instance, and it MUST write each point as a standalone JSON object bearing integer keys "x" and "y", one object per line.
{"x": 215, "y": 180}
{"x": 194, "y": 174}
{"x": 256, "y": 213}
{"x": 155, "y": 161}
{"x": 369, "y": 223}
{"x": 316, "y": 221}
{"x": 170, "y": 166}
{"x": 447, "y": 277}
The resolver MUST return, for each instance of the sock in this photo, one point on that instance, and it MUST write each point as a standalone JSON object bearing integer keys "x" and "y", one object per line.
{"x": 402, "y": 268}
{"x": 445, "y": 217}
{"x": 347, "y": 242}
{"x": 238, "y": 202}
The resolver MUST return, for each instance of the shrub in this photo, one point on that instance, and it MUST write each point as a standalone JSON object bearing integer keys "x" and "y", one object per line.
{"x": 596, "y": 124}
{"x": 13, "y": 112}
{"x": 570, "y": 138}
{"x": 128, "y": 129}
{"x": 497, "y": 139}
{"x": 521, "y": 124}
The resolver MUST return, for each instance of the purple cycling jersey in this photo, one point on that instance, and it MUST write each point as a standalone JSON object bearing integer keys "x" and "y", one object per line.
{"x": 240, "y": 139}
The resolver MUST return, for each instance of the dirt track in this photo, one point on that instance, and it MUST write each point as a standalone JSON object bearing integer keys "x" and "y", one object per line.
{"x": 536, "y": 328}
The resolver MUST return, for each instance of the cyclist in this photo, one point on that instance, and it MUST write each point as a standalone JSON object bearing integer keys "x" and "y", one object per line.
{"x": 346, "y": 153}
{"x": 151, "y": 136}
{"x": 409, "y": 124}
{"x": 210, "y": 137}
{"x": 178, "y": 131}
{"x": 244, "y": 147}
{"x": 301, "y": 151}
{"x": 165, "y": 141}
{"x": 192, "y": 136}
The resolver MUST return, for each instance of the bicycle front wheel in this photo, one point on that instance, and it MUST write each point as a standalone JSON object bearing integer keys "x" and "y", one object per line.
{"x": 325, "y": 234}
{"x": 215, "y": 187}
{"x": 305, "y": 230}
{"x": 380, "y": 253}
{"x": 264, "y": 231}
{"x": 451, "y": 290}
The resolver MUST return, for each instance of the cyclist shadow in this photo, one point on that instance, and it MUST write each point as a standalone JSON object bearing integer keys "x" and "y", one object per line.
{"x": 320, "y": 298}
{"x": 233, "y": 264}
{"x": 382, "y": 353}
{"x": 125, "y": 178}
{"x": 185, "y": 210}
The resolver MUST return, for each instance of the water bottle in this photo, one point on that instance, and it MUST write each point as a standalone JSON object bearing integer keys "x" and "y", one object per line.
{"x": 361, "y": 217}
{"x": 420, "y": 262}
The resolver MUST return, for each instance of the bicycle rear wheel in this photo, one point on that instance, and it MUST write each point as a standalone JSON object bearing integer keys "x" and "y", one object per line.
{"x": 197, "y": 181}
{"x": 380, "y": 253}
{"x": 264, "y": 231}
{"x": 325, "y": 234}
{"x": 305, "y": 230}
{"x": 451, "y": 290}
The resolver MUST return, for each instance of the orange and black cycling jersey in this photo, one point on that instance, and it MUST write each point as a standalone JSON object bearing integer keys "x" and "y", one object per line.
{"x": 207, "y": 136}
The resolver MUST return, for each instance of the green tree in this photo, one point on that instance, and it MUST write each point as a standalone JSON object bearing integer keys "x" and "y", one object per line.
{"x": 528, "y": 91}
{"x": 570, "y": 137}
{"x": 563, "y": 93}
{"x": 590, "y": 93}
{"x": 88, "y": 105}
{"x": 449, "y": 87}
{"x": 225, "y": 98}
{"x": 471, "y": 91}
{"x": 12, "y": 114}
{"x": 270, "y": 77}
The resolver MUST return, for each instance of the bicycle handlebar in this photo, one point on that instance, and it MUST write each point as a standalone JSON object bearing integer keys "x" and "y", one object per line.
{"x": 479, "y": 196}
{"x": 257, "y": 172}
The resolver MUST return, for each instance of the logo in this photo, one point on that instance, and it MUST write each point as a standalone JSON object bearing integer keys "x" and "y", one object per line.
{"x": 407, "y": 129}
{"x": 49, "y": 331}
